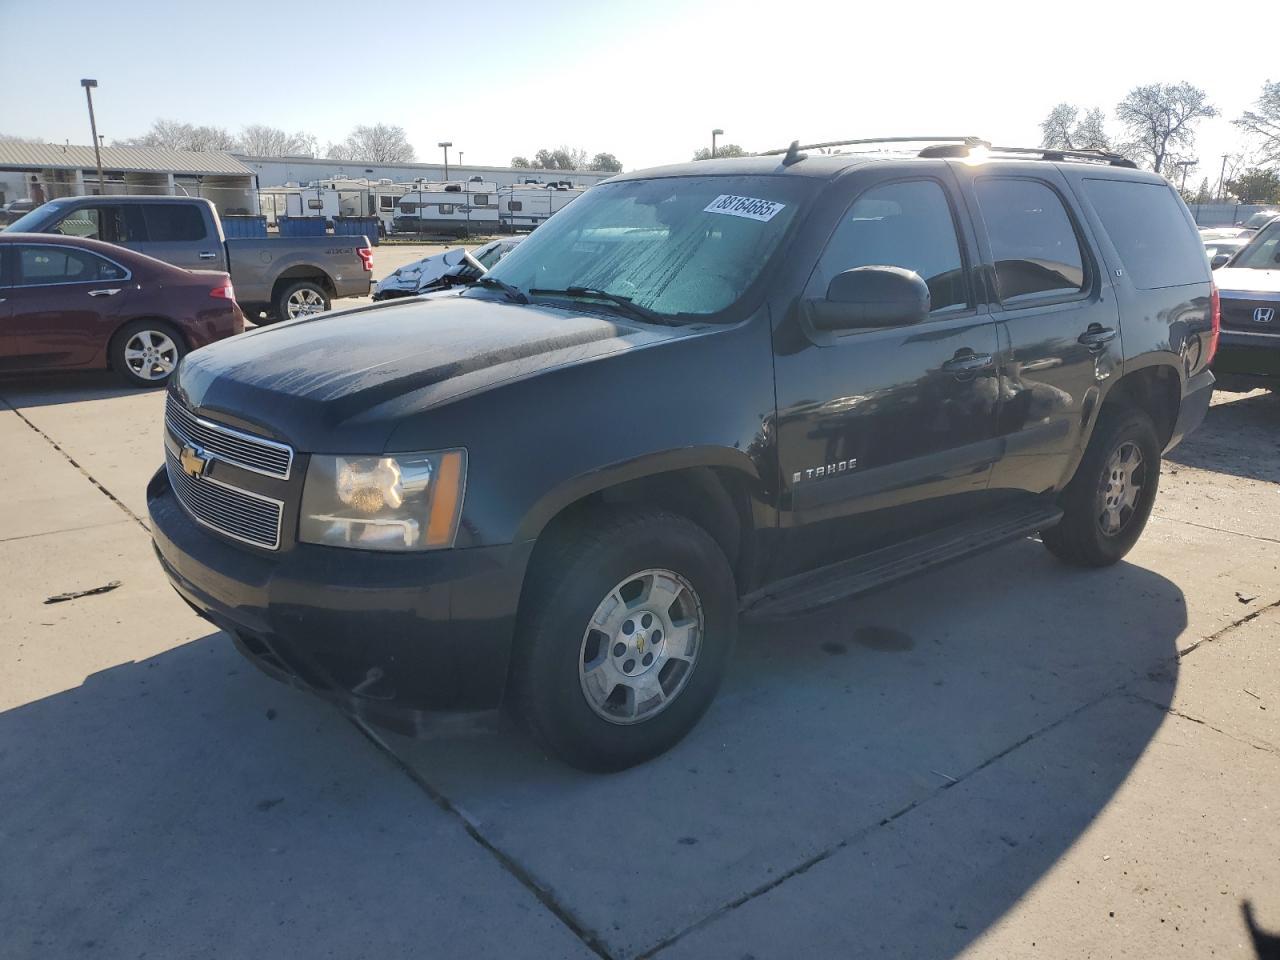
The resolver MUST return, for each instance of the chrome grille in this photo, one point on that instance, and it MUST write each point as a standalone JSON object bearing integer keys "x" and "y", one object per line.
{"x": 243, "y": 450}
{"x": 244, "y": 516}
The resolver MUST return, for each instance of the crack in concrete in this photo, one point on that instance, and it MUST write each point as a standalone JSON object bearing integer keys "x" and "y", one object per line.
{"x": 1209, "y": 526}
{"x": 544, "y": 896}
{"x": 54, "y": 533}
{"x": 1262, "y": 745}
{"x": 71, "y": 460}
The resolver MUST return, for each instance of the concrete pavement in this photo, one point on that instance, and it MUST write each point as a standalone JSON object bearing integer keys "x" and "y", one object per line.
{"x": 1003, "y": 758}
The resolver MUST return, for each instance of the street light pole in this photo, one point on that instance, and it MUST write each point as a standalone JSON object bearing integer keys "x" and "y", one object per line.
{"x": 459, "y": 158}
{"x": 446, "y": 144}
{"x": 714, "y": 133}
{"x": 93, "y": 127}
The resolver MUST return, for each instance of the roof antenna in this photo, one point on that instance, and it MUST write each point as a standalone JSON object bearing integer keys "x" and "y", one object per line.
{"x": 793, "y": 154}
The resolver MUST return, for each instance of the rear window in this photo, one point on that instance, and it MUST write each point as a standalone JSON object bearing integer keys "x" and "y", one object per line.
{"x": 1033, "y": 243}
{"x": 1157, "y": 243}
{"x": 173, "y": 222}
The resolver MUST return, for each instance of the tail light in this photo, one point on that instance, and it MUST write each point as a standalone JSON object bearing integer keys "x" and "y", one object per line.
{"x": 224, "y": 290}
{"x": 366, "y": 257}
{"x": 1215, "y": 322}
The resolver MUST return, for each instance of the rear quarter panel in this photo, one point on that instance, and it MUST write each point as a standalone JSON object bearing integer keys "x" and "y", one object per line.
{"x": 257, "y": 264}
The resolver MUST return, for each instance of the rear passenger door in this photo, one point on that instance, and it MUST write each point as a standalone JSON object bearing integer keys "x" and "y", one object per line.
{"x": 1056, "y": 316}
{"x": 884, "y": 433}
{"x": 177, "y": 234}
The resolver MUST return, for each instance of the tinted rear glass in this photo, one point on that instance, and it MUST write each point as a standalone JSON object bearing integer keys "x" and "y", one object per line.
{"x": 1033, "y": 243}
{"x": 1156, "y": 241}
{"x": 173, "y": 222}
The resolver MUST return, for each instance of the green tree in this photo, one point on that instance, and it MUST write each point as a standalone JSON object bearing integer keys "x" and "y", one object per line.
{"x": 1256, "y": 186}
{"x": 722, "y": 150}
{"x": 605, "y": 161}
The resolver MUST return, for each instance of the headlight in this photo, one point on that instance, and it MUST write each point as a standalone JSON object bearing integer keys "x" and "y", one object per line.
{"x": 407, "y": 502}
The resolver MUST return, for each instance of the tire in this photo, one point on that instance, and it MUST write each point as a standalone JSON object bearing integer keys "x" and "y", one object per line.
{"x": 634, "y": 564}
{"x": 301, "y": 299}
{"x": 1109, "y": 488}
{"x": 146, "y": 352}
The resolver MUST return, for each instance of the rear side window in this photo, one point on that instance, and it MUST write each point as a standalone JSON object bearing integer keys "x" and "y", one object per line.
{"x": 173, "y": 222}
{"x": 41, "y": 266}
{"x": 1157, "y": 244}
{"x": 108, "y": 222}
{"x": 1036, "y": 252}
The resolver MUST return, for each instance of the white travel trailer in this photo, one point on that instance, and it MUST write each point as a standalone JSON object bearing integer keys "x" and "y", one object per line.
{"x": 312, "y": 201}
{"x": 456, "y": 207}
{"x": 524, "y": 206}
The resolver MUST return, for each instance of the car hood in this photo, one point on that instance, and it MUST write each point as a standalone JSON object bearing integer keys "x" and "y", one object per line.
{"x": 340, "y": 382}
{"x": 1244, "y": 280}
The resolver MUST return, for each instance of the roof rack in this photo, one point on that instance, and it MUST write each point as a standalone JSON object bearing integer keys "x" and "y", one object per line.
{"x": 1047, "y": 153}
{"x": 943, "y": 147}
{"x": 796, "y": 146}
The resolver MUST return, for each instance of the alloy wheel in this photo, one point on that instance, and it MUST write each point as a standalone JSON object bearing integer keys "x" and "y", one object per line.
{"x": 641, "y": 646}
{"x": 151, "y": 354}
{"x": 304, "y": 303}
{"x": 1121, "y": 488}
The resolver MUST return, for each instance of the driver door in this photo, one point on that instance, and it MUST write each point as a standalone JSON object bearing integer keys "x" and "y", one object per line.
{"x": 884, "y": 433}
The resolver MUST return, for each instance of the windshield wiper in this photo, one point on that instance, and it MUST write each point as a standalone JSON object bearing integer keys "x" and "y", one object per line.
{"x": 514, "y": 294}
{"x": 617, "y": 299}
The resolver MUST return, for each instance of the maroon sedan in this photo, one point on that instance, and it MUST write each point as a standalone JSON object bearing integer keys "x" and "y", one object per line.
{"x": 68, "y": 303}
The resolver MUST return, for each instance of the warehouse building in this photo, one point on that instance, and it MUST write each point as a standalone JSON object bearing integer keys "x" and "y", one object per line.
{"x": 46, "y": 171}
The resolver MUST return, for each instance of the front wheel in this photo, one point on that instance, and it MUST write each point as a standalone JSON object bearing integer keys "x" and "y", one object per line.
{"x": 1108, "y": 501}
{"x": 624, "y": 637}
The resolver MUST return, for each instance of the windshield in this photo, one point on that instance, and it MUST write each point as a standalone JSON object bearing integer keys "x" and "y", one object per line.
{"x": 675, "y": 245}
{"x": 1260, "y": 219}
{"x": 1263, "y": 253}
{"x": 34, "y": 221}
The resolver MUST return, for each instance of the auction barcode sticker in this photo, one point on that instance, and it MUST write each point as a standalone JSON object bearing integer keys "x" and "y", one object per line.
{"x": 749, "y": 207}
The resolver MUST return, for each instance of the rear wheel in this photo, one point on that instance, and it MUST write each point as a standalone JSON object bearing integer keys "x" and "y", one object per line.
{"x": 626, "y": 632}
{"x": 1107, "y": 503}
{"x": 146, "y": 352}
{"x": 302, "y": 299}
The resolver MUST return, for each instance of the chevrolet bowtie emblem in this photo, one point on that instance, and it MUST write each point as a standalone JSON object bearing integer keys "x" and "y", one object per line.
{"x": 192, "y": 461}
{"x": 640, "y": 644}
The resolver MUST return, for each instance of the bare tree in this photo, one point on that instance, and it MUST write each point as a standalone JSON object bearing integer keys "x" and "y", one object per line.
{"x": 1057, "y": 127}
{"x": 175, "y": 135}
{"x": 1263, "y": 122}
{"x": 1161, "y": 117}
{"x": 520, "y": 162}
{"x": 260, "y": 140}
{"x": 380, "y": 143}
{"x": 1065, "y": 129}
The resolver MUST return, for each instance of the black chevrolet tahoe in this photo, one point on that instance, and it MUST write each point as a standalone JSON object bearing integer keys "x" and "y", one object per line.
{"x": 732, "y": 388}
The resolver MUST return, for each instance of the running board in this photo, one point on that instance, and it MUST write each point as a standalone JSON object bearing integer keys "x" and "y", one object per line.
{"x": 810, "y": 591}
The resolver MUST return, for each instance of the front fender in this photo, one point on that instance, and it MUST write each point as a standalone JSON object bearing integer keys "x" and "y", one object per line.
{"x": 614, "y": 474}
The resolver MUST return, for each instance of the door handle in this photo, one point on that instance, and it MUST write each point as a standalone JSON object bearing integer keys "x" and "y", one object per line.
{"x": 968, "y": 363}
{"x": 104, "y": 293}
{"x": 207, "y": 255}
{"x": 1097, "y": 336}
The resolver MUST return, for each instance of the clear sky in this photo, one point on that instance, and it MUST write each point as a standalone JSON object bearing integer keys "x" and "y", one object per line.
{"x": 645, "y": 81}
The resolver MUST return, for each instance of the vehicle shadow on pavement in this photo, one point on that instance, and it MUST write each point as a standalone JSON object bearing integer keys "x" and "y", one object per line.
{"x": 852, "y": 738}
{"x": 1240, "y": 436}
{"x": 187, "y": 806}
{"x": 46, "y": 390}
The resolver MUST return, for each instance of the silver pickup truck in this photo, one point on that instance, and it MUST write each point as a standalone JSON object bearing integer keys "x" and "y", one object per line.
{"x": 280, "y": 277}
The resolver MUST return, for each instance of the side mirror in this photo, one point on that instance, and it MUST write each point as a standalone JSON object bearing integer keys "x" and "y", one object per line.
{"x": 1219, "y": 260}
{"x": 872, "y": 297}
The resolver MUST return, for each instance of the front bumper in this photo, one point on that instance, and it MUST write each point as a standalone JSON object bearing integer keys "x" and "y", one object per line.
{"x": 393, "y": 638}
